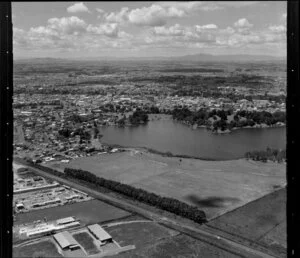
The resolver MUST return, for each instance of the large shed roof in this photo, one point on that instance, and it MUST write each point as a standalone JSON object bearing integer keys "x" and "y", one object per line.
{"x": 65, "y": 239}
{"x": 99, "y": 232}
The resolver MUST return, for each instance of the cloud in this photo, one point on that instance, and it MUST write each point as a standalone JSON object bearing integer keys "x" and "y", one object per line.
{"x": 278, "y": 28}
{"x": 108, "y": 29}
{"x": 67, "y": 25}
{"x": 206, "y": 27}
{"x": 155, "y": 15}
{"x": 175, "y": 30}
{"x": 77, "y": 8}
{"x": 99, "y": 10}
{"x": 119, "y": 17}
{"x": 243, "y": 23}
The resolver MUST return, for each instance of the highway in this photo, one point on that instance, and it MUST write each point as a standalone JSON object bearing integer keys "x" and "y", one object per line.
{"x": 208, "y": 236}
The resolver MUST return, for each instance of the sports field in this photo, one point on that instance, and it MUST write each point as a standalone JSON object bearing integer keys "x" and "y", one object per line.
{"x": 88, "y": 212}
{"x": 214, "y": 186}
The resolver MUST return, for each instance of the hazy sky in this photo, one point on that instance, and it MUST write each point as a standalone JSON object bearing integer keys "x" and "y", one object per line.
{"x": 92, "y": 29}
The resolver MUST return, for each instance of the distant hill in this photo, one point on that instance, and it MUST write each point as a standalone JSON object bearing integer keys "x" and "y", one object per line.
{"x": 229, "y": 58}
{"x": 192, "y": 58}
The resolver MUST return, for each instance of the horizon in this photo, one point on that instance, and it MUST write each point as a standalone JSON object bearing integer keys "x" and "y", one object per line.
{"x": 153, "y": 57}
{"x": 147, "y": 29}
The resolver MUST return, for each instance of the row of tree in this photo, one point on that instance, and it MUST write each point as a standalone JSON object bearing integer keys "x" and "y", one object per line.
{"x": 268, "y": 154}
{"x": 165, "y": 203}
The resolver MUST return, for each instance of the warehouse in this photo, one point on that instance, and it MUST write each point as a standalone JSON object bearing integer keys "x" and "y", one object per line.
{"x": 99, "y": 233}
{"x": 66, "y": 241}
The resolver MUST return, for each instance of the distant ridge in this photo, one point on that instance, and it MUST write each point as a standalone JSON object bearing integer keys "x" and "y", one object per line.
{"x": 209, "y": 57}
{"x": 192, "y": 58}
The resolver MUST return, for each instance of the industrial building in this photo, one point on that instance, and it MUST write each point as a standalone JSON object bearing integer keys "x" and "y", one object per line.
{"x": 98, "y": 232}
{"x": 66, "y": 241}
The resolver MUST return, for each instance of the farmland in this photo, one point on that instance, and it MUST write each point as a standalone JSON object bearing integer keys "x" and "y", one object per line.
{"x": 178, "y": 246}
{"x": 214, "y": 186}
{"x": 87, "y": 212}
{"x": 139, "y": 233}
{"x": 262, "y": 221}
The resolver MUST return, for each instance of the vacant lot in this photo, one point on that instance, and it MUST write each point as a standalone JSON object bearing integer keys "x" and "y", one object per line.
{"x": 86, "y": 241}
{"x": 178, "y": 246}
{"x": 87, "y": 212}
{"x": 262, "y": 221}
{"x": 214, "y": 186}
{"x": 40, "y": 249}
{"x": 139, "y": 233}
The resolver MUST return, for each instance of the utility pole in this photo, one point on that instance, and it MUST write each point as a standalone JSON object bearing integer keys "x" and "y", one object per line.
{"x": 6, "y": 130}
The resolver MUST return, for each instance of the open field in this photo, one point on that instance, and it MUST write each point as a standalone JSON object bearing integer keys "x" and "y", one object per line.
{"x": 43, "y": 248}
{"x": 214, "y": 186}
{"x": 178, "y": 246}
{"x": 139, "y": 233}
{"x": 87, "y": 212}
{"x": 86, "y": 241}
{"x": 262, "y": 221}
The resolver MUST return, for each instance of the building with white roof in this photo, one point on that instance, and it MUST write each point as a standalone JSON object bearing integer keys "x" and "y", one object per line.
{"x": 98, "y": 232}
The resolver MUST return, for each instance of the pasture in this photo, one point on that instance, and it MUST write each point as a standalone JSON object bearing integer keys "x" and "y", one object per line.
{"x": 214, "y": 186}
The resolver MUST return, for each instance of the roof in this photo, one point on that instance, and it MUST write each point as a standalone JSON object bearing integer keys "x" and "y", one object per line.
{"x": 99, "y": 232}
{"x": 65, "y": 220}
{"x": 65, "y": 239}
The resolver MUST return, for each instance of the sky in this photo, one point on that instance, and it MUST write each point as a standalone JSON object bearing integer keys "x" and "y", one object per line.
{"x": 147, "y": 29}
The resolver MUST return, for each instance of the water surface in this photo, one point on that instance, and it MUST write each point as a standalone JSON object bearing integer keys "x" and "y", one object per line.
{"x": 168, "y": 135}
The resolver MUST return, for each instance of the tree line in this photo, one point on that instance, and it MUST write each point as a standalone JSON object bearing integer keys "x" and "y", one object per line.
{"x": 165, "y": 203}
{"x": 268, "y": 154}
{"x": 169, "y": 204}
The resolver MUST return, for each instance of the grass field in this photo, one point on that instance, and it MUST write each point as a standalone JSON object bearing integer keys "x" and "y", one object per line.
{"x": 88, "y": 212}
{"x": 139, "y": 233}
{"x": 86, "y": 241}
{"x": 214, "y": 186}
{"x": 41, "y": 249}
{"x": 262, "y": 221}
{"x": 179, "y": 246}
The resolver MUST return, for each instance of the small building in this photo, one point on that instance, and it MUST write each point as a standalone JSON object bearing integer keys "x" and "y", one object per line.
{"x": 98, "y": 232}
{"x": 66, "y": 241}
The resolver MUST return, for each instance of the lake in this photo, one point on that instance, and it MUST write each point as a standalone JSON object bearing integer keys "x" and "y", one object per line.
{"x": 167, "y": 135}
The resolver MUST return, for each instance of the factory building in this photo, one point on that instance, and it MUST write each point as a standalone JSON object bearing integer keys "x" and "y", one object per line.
{"x": 66, "y": 241}
{"x": 98, "y": 232}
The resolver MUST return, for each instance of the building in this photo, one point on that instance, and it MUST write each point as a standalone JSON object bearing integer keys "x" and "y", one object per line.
{"x": 66, "y": 241}
{"x": 65, "y": 221}
{"x": 39, "y": 231}
{"x": 98, "y": 232}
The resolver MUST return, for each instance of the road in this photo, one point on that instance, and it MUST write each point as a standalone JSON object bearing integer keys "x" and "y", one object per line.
{"x": 209, "y": 237}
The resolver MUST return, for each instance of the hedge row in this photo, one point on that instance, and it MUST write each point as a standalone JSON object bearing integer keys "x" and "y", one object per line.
{"x": 165, "y": 203}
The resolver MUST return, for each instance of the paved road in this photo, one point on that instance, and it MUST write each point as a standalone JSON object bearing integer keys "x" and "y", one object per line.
{"x": 202, "y": 235}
